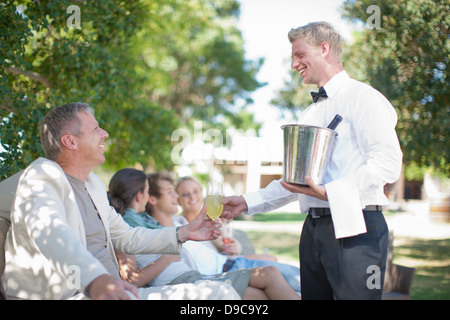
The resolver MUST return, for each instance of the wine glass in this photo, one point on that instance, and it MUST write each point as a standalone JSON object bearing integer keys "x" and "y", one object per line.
{"x": 227, "y": 234}
{"x": 214, "y": 196}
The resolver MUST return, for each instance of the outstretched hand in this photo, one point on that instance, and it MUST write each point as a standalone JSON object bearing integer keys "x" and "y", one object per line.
{"x": 312, "y": 189}
{"x": 233, "y": 206}
{"x": 200, "y": 229}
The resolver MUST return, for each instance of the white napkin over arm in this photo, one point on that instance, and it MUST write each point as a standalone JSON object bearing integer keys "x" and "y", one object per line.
{"x": 345, "y": 207}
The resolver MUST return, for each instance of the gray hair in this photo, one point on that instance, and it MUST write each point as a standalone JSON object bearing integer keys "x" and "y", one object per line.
{"x": 317, "y": 32}
{"x": 58, "y": 122}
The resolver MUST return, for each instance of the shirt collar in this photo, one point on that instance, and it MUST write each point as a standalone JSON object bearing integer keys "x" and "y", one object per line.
{"x": 334, "y": 84}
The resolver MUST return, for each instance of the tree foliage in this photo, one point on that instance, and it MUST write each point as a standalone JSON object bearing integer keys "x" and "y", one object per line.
{"x": 145, "y": 66}
{"x": 407, "y": 58}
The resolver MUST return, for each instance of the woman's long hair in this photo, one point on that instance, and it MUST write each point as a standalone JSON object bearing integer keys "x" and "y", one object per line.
{"x": 124, "y": 185}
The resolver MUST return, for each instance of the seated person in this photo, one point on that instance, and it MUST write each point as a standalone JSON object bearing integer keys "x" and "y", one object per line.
{"x": 63, "y": 229}
{"x": 203, "y": 254}
{"x": 129, "y": 194}
{"x": 189, "y": 190}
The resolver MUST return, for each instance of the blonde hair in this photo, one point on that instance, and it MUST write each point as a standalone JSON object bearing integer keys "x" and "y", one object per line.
{"x": 187, "y": 178}
{"x": 315, "y": 33}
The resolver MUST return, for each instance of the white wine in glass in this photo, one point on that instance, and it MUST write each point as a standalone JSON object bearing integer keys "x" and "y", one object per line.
{"x": 213, "y": 200}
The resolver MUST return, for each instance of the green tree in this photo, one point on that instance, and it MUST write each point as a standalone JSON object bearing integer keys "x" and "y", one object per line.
{"x": 295, "y": 96}
{"x": 45, "y": 63}
{"x": 197, "y": 56}
{"x": 407, "y": 58}
{"x": 143, "y": 65}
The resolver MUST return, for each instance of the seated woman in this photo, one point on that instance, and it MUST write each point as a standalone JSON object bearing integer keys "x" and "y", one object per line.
{"x": 129, "y": 194}
{"x": 189, "y": 190}
{"x": 202, "y": 252}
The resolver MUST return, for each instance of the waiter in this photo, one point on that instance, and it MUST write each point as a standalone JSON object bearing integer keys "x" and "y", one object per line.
{"x": 343, "y": 245}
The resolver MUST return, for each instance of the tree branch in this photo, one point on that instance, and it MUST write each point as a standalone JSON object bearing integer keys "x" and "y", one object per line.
{"x": 31, "y": 75}
{"x": 6, "y": 108}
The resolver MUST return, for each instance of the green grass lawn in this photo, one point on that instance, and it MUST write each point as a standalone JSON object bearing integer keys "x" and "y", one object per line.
{"x": 431, "y": 258}
{"x": 281, "y": 244}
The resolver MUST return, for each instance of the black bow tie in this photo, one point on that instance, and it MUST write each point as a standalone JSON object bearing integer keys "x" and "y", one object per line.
{"x": 317, "y": 95}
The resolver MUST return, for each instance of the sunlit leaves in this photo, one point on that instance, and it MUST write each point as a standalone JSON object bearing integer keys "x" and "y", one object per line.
{"x": 143, "y": 66}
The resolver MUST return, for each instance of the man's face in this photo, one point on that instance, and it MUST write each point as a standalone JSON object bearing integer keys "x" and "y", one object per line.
{"x": 168, "y": 201}
{"x": 91, "y": 140}
{"x": 307, "y": 60}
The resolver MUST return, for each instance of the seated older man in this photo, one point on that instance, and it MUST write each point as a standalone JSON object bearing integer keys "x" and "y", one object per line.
{"x": 63, "y": 231}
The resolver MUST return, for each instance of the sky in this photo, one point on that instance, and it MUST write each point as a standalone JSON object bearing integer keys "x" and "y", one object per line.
{"x": 264, "y": 25}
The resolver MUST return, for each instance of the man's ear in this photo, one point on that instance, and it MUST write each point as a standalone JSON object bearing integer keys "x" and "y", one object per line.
{"x": 152, "y": 200}
{"x": 68, "y": 141}
{"x": 325, "y": 48}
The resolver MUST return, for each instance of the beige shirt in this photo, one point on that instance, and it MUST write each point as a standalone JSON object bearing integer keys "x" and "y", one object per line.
{"x": 96, "y": 239}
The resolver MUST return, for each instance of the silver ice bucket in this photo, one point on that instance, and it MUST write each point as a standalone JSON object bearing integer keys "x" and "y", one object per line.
{"x": 307, "y": 150}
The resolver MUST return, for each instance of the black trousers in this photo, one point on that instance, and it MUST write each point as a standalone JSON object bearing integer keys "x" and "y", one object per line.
{"x": 348, "y": 268}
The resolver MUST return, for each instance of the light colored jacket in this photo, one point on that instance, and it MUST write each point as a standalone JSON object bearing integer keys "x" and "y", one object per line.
{"x": 46, "y": 254}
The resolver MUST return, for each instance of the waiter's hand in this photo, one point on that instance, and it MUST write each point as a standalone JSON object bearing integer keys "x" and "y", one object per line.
{"x": 233, "y": 206}
{"x": 313, "y": 189}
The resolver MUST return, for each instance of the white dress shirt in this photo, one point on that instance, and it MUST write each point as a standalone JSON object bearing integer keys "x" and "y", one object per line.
{"x": 365, "y": 157}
